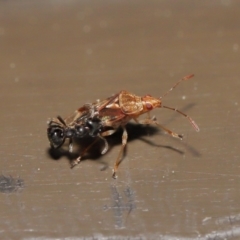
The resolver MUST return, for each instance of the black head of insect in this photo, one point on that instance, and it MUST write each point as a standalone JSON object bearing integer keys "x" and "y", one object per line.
{"x": 58, "y": 130}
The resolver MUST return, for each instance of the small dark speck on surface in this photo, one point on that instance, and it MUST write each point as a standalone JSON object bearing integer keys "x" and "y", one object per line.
{"x": 8, "y": 184}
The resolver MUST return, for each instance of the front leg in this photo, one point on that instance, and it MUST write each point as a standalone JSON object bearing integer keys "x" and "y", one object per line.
{"x": 104, "y": 134}
{"x": 119, "y": 158}
{"x": 153, "y": 121}
{"x": 70, "y": 146}
{"x": 78, "y": 160}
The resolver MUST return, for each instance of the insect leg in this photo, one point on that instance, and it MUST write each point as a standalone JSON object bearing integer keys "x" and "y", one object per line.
{"x": 119, "y": 158}
{"x": 77, "y": 161}
{"x": 106, "y": 133}
{"x": 153, "y": 121}
{"x": 106, "y": 144}
{"x": 70, "y": 146}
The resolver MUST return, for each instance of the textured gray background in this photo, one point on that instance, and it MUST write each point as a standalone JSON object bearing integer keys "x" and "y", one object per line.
{"x": 57, "y": 55}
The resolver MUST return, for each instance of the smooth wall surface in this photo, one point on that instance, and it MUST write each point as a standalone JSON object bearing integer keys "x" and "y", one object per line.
{"x": 56, "y": 56}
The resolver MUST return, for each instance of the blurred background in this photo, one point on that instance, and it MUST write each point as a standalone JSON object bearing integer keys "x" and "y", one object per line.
{"x": 56, "y": 56}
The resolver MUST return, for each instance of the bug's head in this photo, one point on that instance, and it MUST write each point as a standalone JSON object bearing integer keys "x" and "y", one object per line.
{"x": 150, "y": 103}
{"x": 57, "y": 132}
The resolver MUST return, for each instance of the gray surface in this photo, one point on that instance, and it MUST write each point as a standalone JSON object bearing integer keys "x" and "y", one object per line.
{"x": 56, "y": 56}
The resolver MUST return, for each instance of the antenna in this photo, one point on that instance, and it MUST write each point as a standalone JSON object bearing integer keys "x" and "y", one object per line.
{"x": 61, "y": 120}
{"x": 178, "y": 82}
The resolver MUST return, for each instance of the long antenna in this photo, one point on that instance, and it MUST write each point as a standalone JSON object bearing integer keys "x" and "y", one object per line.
{"x": 183, "y": 79}
{"x": 195, "y": 126}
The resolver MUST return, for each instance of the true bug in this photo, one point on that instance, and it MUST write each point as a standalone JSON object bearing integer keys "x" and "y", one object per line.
{"x": 103, "y": 118}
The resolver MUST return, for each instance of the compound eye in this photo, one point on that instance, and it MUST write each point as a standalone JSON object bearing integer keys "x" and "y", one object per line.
{"x": 149, "y": 106}
{"x": 56, "y": 137}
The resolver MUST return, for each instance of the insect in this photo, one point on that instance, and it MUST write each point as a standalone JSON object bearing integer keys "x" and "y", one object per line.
{"x": 102, "y": 118}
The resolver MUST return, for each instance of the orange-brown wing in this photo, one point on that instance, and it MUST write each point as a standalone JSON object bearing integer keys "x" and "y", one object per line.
{"x": 112, "y": 117}
{"x": 107, "y": 102}
{"x": 76, "y": 115}
{"x": 86, "y": 110}
{"x": 130, "y": 103}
